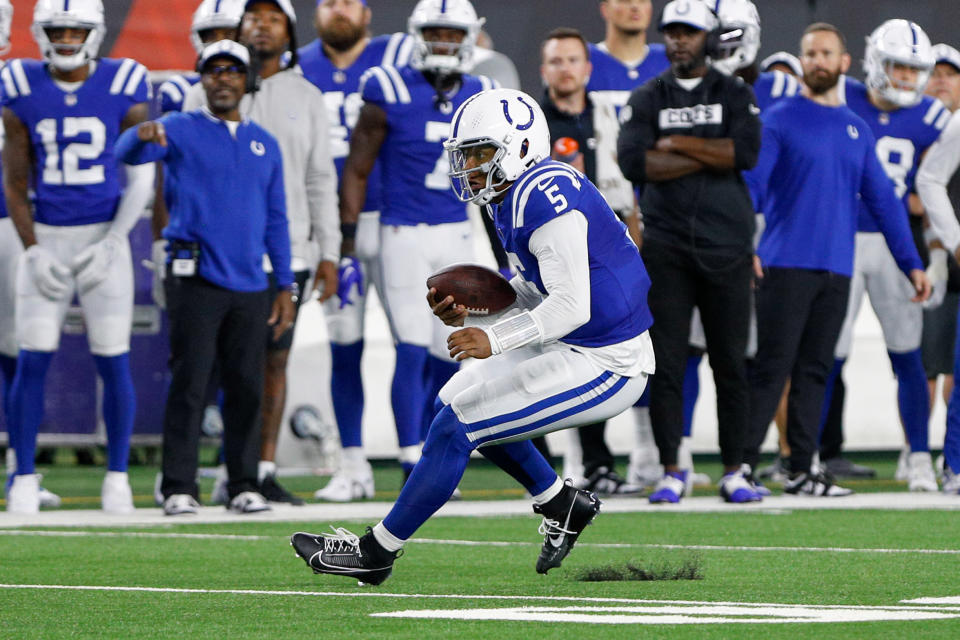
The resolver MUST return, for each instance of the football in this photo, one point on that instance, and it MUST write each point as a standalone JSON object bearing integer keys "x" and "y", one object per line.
{"x": 480, "y": 289}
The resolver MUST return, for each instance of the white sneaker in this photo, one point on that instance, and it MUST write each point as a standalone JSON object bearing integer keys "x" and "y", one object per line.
{"x": 903, "y": 468}
{"x": 48, "y": 499}
{"x": 115, "y": 493}
{"x": 951, "y": 482}
{"x": 249, "y": 502}
{"x": 180, "y": 504}
{"x": 920, "y": 472}
{"x": 644, "y": 468}
{"x": 347, "y": 487}
{"x": 24, "y": 494}
{"x": 157, "y": 494}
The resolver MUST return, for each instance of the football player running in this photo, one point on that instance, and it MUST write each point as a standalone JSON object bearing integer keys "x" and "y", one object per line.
{"x": 423, "y": 226}
{"x": 62, "y": 116}
{"x": 905, "y": 122}
{"x": 572, "y": 349}
{"x": 334, "y": 62}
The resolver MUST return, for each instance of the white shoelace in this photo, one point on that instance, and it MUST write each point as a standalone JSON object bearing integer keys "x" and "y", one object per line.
{"x": 340, "y": 541}
{"x": 552, "y": 527}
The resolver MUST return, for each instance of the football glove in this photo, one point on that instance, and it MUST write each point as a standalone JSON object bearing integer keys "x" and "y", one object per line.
{"x": 938, "y": 273}
{"x": 51, "y": 276}
{"x": 348, "y": 275}
{"x": 92, "y": 265}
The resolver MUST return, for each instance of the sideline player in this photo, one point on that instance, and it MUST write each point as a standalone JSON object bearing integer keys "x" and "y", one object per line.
{"x": 898, "y": 62}
{"x": 334, "y": 62}
{"x": 62, "y": 116}
{"x": 423, "y": 227}
{"x": 573, "y": 349}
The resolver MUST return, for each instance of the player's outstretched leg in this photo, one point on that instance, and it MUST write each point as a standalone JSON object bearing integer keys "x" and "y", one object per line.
{"x": 564, "y": 519}
{"x": 344, "y": 554}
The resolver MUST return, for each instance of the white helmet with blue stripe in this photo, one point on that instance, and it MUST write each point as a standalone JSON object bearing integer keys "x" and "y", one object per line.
{"x": 76, "y": 14}
{"x": 6, "y": 19}
{"x": 214, "y": 14}
{"x": 739, "y": 38}
{"x": 898, "y": 42}
{"x": 513, "y": 124}
{"x": 446, "y": 57}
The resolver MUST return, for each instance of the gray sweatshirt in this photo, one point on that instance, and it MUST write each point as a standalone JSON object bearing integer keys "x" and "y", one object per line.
{"x": 291, "y": 109}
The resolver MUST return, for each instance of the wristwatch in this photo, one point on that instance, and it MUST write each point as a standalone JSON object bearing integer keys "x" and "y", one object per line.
{"x": 294, "y": 290}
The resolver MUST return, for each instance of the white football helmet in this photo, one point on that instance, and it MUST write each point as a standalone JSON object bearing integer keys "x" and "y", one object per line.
{"x": 214, "y": 14}
{"x": 452, "y": 14}
{"x": 510, "y": 121}
{"x": 79, "y": 14}
{"x": 898, "y": 42}
{"x": 6, "y": 19}
{"x": 739, "y": 38}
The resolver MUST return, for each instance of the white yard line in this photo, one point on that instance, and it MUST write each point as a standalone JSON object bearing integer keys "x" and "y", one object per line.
{"x": 476, "y": 543}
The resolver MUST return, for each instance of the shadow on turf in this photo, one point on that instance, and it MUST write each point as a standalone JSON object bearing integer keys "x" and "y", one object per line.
{"x": 690, "y": 568}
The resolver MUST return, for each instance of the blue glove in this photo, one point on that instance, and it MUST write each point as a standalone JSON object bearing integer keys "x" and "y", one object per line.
{"x": 348, "y": 274}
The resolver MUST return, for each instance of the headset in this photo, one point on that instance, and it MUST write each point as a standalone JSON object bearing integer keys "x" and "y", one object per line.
{"x": 711, "y": 46}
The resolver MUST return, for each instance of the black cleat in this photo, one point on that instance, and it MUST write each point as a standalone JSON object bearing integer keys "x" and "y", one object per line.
{"x": 563, "y": 523}
{"x": 341, "y": 553}
{"x": 273, "y": 491}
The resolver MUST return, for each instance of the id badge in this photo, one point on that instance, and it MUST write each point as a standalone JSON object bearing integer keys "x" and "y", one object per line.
{"x": 184, "y": 267}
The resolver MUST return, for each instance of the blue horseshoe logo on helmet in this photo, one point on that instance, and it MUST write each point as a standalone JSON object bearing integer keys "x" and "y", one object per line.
{"x": 506, "y": 114}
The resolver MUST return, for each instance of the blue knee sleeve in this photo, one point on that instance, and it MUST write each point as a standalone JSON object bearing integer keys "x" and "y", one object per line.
{"x": 26, "y": 406}
{"x": 913, "y": 398}
{"x": 691, "y": 390}
{"x": 828, "y": 392}
{"x": 438, "y": 373}
{"x": 432, "y": 482}
{"x": 408, "y": 392}
{"x": 346, "y": 389}
{"x": 524, "y": 462}
{"x": 119, "y": 407}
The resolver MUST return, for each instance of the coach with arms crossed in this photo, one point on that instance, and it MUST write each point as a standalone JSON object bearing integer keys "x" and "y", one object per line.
{"x": 224, "y": 190}
{"x": 686, "y": 135}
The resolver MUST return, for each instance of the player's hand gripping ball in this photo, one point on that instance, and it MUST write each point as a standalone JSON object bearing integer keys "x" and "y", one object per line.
{"x": 481, "y": 290}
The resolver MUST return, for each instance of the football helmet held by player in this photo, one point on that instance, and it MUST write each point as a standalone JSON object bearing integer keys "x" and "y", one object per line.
{"x": 77, "y": 14}
{"x": 513, "y": 124}
{"x": 739, "y": 38}
{"x": 898, "y": 42}
{"x": 443, "y": 58}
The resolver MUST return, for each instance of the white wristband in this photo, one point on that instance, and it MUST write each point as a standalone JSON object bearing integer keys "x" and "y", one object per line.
{"x": 513, "y": 332}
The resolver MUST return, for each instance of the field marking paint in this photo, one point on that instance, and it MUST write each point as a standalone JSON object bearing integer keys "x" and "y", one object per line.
{"x": 637, "y": 612}
{"x": 948, "y": 600}
{"x": 473, "y": 543}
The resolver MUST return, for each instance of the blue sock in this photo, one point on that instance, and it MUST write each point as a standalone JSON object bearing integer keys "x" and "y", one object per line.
{"x": 445, "y": 456}
{"x": 524, "y": 462}
{"x": 438, "y": 372}
{"x": 119, "y": 407}
{"x": 691, "y": 390}
{"x": 346, "y": 389}
{"x": 407, "y": 393}
{"x": 828, "y": 393}
{"x": 26, "y": 405}
{"x": 912, "y": 397}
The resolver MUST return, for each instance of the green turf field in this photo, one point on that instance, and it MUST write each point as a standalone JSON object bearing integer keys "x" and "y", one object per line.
{"x": 470, "y": 577}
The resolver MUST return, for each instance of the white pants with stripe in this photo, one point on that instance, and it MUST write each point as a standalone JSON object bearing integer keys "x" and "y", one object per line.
{"x": 107, "y": 307}
{"x": 876, "y": 273}
{"x": 531, "y": 391}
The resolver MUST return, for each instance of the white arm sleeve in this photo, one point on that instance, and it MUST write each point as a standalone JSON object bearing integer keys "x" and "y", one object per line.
{"x": 135, "y": 197}
{"x": 321, "y": 183}
{"x": 936, "y": 169}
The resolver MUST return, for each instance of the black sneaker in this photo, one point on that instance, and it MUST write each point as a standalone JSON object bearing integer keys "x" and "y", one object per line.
{"x": 341, "y": 553}
{"x": 274, "y": 492}
{"x": 844, "y": 468}
{"x": 819, "y": 483}
{"x": 607, "y": 482}
{"x": 564, "y": 519}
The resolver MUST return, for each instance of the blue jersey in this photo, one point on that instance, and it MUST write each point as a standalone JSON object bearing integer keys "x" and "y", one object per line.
{"x": 616, "y": 79}
{"x": 416, "y": 188}
{"x": 618, "y": 279}
{"x": 774, "y": 85}
{"x": 903, "y": 136}
{"x": 72, "y": 135}
{"x": 814, "y": 161}
{"x": 172, "y": 92}
{"x": 341, "y": 92}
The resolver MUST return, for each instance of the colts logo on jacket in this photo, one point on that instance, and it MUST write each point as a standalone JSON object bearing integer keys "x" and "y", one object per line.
{"x": 257, "y": 148}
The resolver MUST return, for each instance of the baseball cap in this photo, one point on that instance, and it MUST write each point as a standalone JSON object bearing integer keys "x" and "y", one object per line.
{"x": 224, "y": 49}
{"x": 947, "y": 54}
{"x": 782, "y": 57}
{"x": 694, "y": 13}
{"x": 284, "y": 6}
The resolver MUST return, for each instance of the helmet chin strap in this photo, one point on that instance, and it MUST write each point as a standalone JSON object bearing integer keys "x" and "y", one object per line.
{"x": 442, "y": 83}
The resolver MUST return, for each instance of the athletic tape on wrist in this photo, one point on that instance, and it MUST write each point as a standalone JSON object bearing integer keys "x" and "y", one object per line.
{"x": 515, "y": 331}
